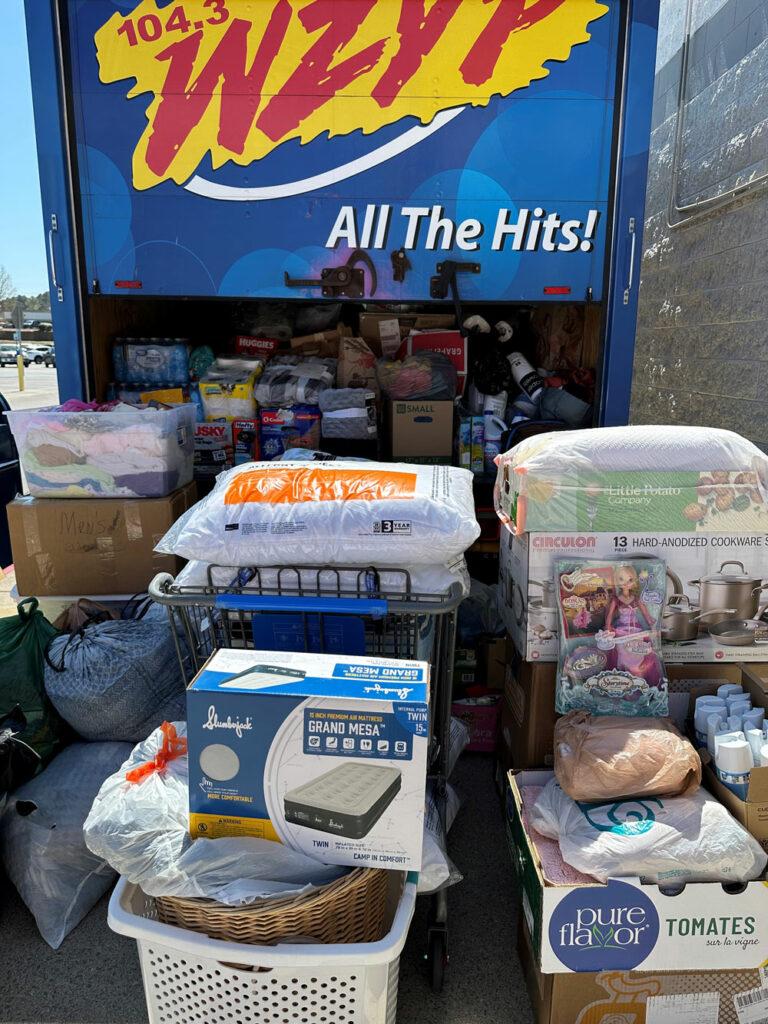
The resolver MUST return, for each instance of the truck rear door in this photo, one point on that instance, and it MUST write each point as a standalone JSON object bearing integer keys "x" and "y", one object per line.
{"x": 227, "y": 148}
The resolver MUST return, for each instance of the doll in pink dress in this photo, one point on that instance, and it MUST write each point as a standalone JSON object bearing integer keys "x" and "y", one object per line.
{"x": 626, "y": 613}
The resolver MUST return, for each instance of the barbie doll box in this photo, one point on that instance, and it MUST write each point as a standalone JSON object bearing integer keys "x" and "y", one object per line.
{"x": 714, "y": 597}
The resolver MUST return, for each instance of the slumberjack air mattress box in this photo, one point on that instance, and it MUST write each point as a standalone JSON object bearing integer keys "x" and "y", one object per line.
{"x": 325, "y": 754}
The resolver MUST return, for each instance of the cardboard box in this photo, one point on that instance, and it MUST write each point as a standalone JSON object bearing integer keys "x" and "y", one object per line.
{"x": 653, "y": 930}
{"x": 481, "y": 717}
{"x": 78, "y": 547}
{"x": 327, "y": 756}
{"x": 493, "y": 656}
{"x": 322, "y": 343}
{"x": 421, "y": 431}
{"x": 246, "y": 441}
{"x": 370, "y": 324}
{"x": 638, "y": 997}
{"x": 752, "y": 812}
{"x": 592, "y": 499}
{"x": 528, "y": 715}
{"x": 526, "y": 582}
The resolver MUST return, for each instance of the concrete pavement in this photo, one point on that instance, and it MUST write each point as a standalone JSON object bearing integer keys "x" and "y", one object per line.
{"x": 40, "y": 386}
{"x": 94, "y": 977}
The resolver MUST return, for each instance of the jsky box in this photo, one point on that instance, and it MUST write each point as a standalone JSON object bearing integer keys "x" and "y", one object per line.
{"x": 327, "y": 755}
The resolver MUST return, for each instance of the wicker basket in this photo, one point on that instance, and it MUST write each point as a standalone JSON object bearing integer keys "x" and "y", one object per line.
{"x": 351, "y": 909}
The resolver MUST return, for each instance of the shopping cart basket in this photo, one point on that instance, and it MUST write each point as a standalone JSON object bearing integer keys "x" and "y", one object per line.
{"x": 333, "y": 610}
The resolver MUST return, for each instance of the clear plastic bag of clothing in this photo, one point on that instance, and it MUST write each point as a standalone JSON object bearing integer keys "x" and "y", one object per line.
{"x": 139, "y": 823}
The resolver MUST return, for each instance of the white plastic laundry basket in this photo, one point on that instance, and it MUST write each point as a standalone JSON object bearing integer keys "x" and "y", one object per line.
{"x": 189, "y": 977}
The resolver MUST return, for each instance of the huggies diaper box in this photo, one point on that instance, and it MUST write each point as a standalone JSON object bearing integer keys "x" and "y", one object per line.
{"x": 325, "y": 753}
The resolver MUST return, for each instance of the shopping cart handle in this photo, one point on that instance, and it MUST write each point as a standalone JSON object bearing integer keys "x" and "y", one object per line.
{"x": 373, "y": 606}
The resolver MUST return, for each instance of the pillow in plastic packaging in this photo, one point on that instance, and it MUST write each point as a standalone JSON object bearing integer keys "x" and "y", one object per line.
{"x": 41, "y": 838}
{"x": 611, "y": 757}
{"x": 665, "y": 841}
{"x": 421, "y": 579}
{"x": 339, "y": 513}
{"x": 142, "y": 830}
{"x": 116, "y": 680}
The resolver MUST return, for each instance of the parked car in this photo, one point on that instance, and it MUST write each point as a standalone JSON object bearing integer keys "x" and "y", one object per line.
{"x": 37, "y": 351}
{"x": 50, "y": 358}
{"x": 8, "y": 356}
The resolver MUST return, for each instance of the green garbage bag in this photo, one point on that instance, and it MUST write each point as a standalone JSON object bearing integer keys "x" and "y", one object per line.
{"x": 23, "y": 639}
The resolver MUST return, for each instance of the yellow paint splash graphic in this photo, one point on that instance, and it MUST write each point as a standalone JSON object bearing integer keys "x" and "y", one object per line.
{"x": 237, "y": 78}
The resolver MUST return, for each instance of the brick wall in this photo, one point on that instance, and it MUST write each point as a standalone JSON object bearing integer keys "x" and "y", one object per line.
{"x": 701, "y": 354}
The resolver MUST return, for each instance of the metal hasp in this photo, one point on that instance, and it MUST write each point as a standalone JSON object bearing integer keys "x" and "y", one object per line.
{"x": 347, "y": 280}
{"x": 444, "y": 281}
{"x": 400, "y": 265}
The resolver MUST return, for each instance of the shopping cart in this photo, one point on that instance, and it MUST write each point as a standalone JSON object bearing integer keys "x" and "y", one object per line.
{"x": 329, "y": 610}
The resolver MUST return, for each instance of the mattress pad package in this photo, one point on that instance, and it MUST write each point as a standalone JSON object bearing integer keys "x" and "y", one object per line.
{"x": 326, "y": 755}
{"x": 649, "y": 478}
{"x": 339, "y": 513}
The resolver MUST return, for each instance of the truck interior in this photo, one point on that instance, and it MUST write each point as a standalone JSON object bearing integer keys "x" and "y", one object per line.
{"x": 562, "y": 340}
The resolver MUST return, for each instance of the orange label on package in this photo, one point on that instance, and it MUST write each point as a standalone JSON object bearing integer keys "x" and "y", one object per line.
{"x": 292, "y": 486}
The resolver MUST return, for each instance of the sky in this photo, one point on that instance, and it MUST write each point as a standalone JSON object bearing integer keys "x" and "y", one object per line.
{"x": 22, "y": 244}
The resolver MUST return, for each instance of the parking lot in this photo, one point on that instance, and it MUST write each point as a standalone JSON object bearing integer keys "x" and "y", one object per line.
{"x": 40, "y": 386}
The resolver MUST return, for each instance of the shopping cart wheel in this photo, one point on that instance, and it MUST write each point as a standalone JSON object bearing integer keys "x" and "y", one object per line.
{"x": 437, "y": 956}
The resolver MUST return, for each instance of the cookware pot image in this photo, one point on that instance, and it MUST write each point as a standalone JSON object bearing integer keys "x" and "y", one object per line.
{"x": 548, "y": 593}
{"x": 739, "y": 590}
{"x": 738, "y": 632}
{"x": 681, "y": 619}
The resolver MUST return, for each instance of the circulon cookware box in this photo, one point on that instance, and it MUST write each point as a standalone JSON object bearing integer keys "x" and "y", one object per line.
{"x": 325, "y": 754}
{"x": 717, "y": 587}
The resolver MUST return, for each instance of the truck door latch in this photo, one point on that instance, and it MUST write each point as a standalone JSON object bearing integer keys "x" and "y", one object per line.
{"x": 400, "y": 264}
{"x": 347, "y": 280}
{"x": 444, "y": 281}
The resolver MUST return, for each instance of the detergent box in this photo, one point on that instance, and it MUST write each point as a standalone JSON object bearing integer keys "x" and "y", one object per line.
{"x": 325, "y": 753}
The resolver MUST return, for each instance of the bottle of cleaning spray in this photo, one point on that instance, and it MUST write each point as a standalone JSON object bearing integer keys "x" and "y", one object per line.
{"x": 495, "y": 428}
{"x": 526, "y": 378}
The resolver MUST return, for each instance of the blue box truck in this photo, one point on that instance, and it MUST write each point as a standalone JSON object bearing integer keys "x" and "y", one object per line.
{"x": 197, "y": 156}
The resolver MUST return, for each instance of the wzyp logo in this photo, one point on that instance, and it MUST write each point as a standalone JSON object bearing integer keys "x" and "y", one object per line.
{"x": 237, "y": 80}
{"x": 612, "y": 927}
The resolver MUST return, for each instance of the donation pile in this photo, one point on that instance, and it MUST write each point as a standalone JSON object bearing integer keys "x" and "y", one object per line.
{"x": 656, "y": 787}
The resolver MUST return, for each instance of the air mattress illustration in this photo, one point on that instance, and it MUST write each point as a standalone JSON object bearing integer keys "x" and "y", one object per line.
{"x": 346, "y": 801}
